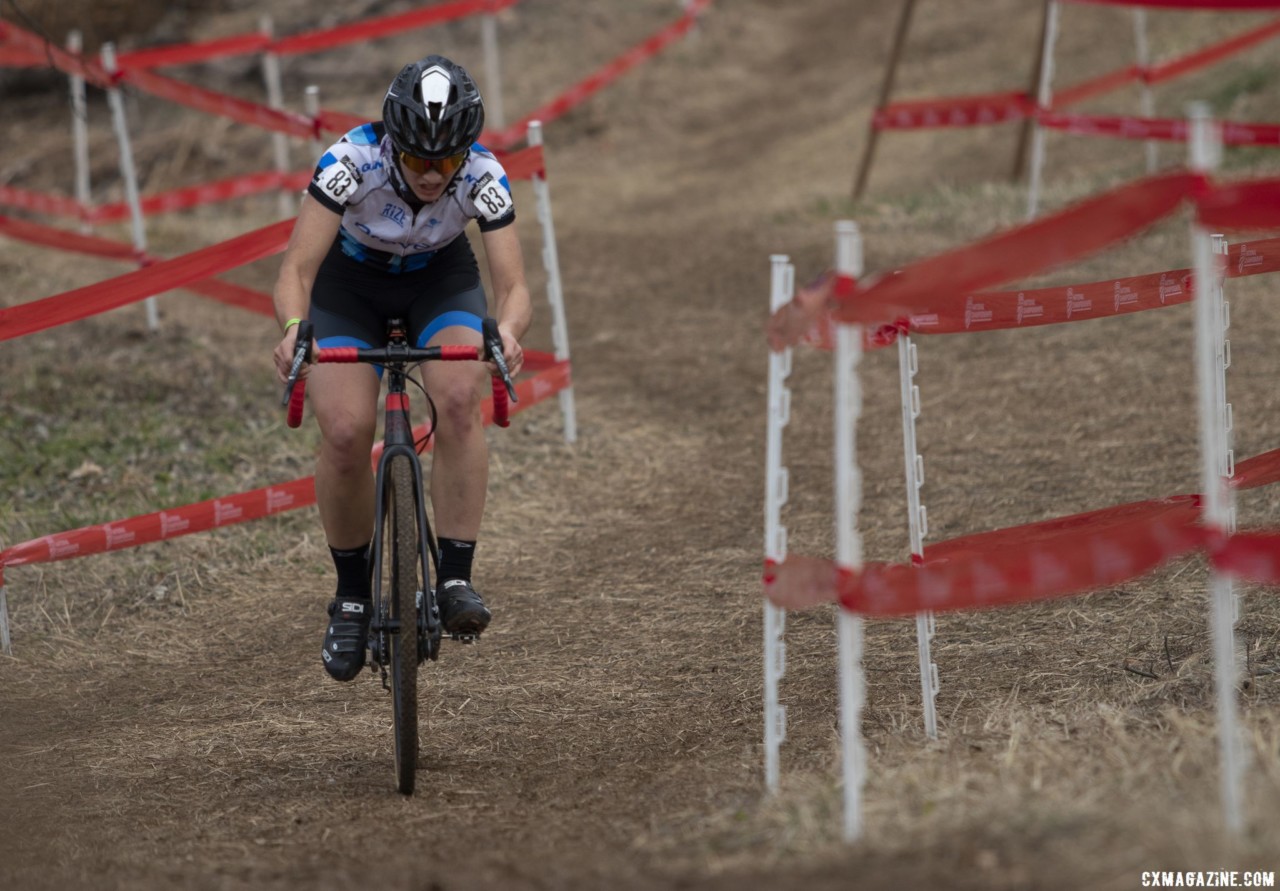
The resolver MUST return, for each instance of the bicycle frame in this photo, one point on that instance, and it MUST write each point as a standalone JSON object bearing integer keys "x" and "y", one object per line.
{"x": 398, "y": 440}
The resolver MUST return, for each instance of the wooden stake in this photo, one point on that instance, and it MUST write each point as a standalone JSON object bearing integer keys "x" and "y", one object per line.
{"x": 1024, "y": 132}
{"x": 886, "y": 90}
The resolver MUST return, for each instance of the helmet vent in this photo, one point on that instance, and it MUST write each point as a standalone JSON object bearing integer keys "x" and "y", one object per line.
{"x": 435, "y": 84}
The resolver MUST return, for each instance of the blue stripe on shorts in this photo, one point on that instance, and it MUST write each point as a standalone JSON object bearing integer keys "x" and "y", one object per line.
{"x": 448, "y": 320}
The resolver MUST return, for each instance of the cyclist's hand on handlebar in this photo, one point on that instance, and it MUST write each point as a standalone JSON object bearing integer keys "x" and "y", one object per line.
{"x": 284, "y": 353}
{"x": 512, "y": 352}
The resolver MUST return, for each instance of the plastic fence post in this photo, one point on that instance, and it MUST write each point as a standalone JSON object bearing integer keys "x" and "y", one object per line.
{"x": 80, "y": 134}
{"x": 848, "y": 497}
{"x": 1205, "y": 140}
{"x": 275, "y": 100}
{"x": 908, "y": 365}
{"x": 127, "y": 170}
{"x": 1225, "y": 427}
{"x": 1044, "y": 96}
{"x": 782, "y": 289}
{"x": 1146, "y": 98}
{"x": 492, "y": 71}
{"x": 1028, "y": 124}
{"x": 555, "y": 292}
{"x": 311, "y": 104}
{"x": 1222, "y": 361}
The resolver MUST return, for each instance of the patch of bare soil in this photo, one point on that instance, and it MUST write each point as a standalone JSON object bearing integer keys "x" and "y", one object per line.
{"x": 167, "y": 723}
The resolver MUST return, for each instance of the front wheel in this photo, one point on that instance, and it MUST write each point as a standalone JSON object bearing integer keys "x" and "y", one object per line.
{"x": 400, "y": 532}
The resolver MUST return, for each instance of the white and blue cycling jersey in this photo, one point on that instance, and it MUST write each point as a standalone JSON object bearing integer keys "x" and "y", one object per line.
{"x": 384, "y": 224}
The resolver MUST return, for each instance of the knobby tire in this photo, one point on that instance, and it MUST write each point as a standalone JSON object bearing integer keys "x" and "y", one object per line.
{"x": 401, "y": 534}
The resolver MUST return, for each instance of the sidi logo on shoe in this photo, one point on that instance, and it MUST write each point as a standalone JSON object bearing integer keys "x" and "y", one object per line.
{"x": 453, "y": 583}
{"x": 351, "y": 607}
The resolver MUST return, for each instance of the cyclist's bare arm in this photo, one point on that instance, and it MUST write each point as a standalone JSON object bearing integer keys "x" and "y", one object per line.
{"x": 512, "y": 306}
{"x": 791, "y": 322}
{"x": 313, "y": 233}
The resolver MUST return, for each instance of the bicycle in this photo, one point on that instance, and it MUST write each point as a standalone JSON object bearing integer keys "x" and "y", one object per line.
{"x": 402, "y": 536}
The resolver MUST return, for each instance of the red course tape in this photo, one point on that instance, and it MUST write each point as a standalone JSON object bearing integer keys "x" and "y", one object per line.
{"x": 1080, "y": 230}
{"x": 955, "y": 111}
{"x": 584, "y": 89}
{"x": 1055, "y": 558}
{"x": 163, "y": 276}
{"x": 1260, "y": 470}
{"x": 1253, "y": 556}
{"x": 994, "y": 108}
{"x": 1247, "y": 205}
{"x": 163, "y": 524}
{"x": 368, "y": 29}
{"x": 1216, "y": 53}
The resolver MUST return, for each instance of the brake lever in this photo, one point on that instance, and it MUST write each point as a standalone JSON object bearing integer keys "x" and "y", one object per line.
{"x": 301, "y": 352}
{"x": 493, "y": 348}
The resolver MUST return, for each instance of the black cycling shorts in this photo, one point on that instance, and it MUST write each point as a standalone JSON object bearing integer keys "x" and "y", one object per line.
{"x": 351, "y": 302}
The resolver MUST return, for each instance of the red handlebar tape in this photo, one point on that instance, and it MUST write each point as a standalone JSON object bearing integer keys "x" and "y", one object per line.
{"x": 337, "y": 354}
{"x": 294, "y": 418}
{"x": 501, "y": 404}
{"x": 449, "y": 353}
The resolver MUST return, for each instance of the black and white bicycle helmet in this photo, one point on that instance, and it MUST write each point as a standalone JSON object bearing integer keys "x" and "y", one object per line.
{"x": 433, "y": 109}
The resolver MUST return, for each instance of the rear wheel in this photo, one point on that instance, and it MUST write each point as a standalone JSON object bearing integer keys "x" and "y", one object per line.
{"x": 400, "y": 531}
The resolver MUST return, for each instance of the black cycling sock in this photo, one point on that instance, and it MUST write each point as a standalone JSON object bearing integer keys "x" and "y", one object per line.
{"x": 353, "y": 571}
{"x": 455, "y": 558}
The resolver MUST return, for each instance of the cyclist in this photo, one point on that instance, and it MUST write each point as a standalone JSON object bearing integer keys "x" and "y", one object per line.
{"x": 792, "y": 322}
{"x": 379, "y": 235}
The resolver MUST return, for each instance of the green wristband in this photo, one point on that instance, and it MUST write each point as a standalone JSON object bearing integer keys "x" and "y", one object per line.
{"x": 289, "y": 324}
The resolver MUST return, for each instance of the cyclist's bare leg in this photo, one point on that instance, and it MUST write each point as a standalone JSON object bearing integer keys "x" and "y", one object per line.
{"x": 460, "y": 458}
{"x": 344, "y": 399}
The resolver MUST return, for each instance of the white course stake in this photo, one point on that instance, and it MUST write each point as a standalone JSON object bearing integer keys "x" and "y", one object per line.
{"x": 1044, "y": 95}
{"x": 275, "y": 99}
{"x": 1146, "y": 99}
{"x": 128, "y": 172}
{"x": 1226, "y": 421}
{"x": 917, "y": 523}
{"x": 848, "y": 496}
{"x": 80, "y": 132}
{"x": 1206, "y": 149}
{"x": 492, "y": 72}
{"x": 781, "y": 290}
{"x": 1222, "y": 361}
{"x": 555, "y": 292}
{"x": 311, "y": 104}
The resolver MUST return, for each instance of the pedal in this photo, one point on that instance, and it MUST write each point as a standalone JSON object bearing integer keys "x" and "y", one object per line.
{"x": 466, "y": 637}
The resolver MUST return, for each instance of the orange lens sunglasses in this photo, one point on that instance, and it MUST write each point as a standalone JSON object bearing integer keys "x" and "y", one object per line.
{"x": 445, "y": 165}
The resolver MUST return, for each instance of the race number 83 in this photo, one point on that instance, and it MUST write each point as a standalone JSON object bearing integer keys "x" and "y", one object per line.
{"x": 337, "y": 182}
{"x": 493, "y": 200}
